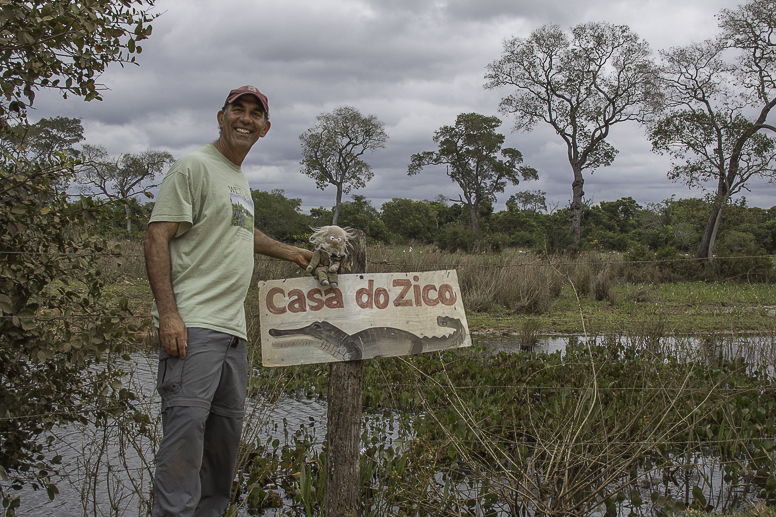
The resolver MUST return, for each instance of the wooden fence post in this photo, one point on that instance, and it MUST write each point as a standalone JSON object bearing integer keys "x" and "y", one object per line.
{"x": 344, "y": 420}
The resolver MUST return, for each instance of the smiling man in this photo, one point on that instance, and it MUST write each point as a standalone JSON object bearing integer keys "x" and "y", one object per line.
{"x": 199, "y": 255}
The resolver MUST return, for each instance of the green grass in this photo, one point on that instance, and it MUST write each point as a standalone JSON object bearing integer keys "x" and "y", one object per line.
{"x": 682, "y": 308}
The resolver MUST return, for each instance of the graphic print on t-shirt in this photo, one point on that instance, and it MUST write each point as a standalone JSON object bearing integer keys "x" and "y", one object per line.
{"x": 242, "y": 211}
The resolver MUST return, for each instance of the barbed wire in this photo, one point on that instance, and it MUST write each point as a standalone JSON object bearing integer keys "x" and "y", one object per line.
{"x": 69, "y": 254}
{"x": 519, "y": 387}
{"x": 548, "y": 262}
{"x": 486, "y": 436}
{"x": 574, "y": 263}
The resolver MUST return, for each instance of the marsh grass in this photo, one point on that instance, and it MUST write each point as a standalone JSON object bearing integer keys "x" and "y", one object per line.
{"x": 612, "y": 428}
{"x": 518, "y": 282}
{"x": 559, "y": 292}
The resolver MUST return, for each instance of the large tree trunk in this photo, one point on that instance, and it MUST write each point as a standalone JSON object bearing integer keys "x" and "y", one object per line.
{"x": 577, "y": 193}
{"x": 337, "y": 205}
{"x": 128, "y": 215}
{"x": 475, "y": 226}
{"x": 706, "y": 248}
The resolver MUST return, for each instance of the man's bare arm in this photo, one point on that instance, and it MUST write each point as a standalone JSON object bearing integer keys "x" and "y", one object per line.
{"x": 172, "y": 330}
{"x": 268, "y": 246}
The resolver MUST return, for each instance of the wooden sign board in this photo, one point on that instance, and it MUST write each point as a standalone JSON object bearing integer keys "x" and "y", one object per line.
{"x": 365, "y": 316}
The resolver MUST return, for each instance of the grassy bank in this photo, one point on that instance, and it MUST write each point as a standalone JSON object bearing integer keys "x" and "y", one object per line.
{"x": 682, "y": 308}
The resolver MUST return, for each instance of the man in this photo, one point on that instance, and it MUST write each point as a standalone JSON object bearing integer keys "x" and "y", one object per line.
{"x": 199, "y": 254}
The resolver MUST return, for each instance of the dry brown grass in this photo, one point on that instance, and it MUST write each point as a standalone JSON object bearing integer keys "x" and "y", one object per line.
{"x": 512, "y": 281}
{"x": 520, "y": 282}
{"x": 126, "y": 265}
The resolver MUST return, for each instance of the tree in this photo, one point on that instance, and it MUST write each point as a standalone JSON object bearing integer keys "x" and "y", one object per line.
{"x": 610, "y": 224}
{"x": 470, "y": 150}
{"x": 715, "y": 121}
{"x": 359, "y": 213}
{"x": 279, "y": 216}
{"x": 332, "y": 150}
{"x": 409, "y": 220}
{"x": 44, "y": 142}
{"x": 535, "y": 201}
{"x": 65, "y": 45}
{"x": 580, "y": 84}
{"x": 121, "y": 178}
{"x": 55, "y": 324}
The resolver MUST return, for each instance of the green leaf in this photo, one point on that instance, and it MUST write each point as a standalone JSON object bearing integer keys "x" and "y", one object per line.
{"x": 697, "y": 493}
{"x": 52, "y": 491}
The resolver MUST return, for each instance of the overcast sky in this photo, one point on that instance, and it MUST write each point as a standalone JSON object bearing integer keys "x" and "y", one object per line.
{"x": 415, "y": 64}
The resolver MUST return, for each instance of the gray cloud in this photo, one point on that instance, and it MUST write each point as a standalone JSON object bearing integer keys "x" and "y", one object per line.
{"x": 414, "y": 64}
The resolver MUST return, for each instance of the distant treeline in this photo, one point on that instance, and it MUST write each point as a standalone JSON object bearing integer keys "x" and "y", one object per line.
{"x": 671, "y": 227}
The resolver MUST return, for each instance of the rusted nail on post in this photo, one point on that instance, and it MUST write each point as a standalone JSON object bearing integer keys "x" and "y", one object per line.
{"x": 344, "y": 420}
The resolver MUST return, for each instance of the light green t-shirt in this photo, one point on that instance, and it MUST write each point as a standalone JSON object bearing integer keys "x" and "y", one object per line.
{"x": 212, "y": 252}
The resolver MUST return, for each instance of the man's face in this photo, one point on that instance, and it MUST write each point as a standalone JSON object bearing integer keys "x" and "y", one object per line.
{"x": 243, "y": 123}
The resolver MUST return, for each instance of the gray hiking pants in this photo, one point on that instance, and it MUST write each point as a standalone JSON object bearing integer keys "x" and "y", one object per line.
{"x": 203, "y": 399}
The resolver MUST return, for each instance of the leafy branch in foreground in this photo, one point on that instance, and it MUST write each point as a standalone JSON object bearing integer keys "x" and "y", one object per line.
{"x": 54, "y": 324}
{"x": 65, "y": 45}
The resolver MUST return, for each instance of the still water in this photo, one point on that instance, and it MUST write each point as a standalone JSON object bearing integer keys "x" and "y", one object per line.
{"x": 123, "y": 463}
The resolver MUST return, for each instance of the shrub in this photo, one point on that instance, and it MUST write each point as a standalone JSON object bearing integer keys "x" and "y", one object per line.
{"x": 454, "y": 237}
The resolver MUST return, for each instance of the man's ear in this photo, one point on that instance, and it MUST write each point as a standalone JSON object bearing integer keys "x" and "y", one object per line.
{"x": 220, "y": 117}
{"x": 267, "y": 124}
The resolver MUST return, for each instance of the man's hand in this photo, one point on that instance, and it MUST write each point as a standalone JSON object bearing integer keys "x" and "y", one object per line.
{"x": 268, "y": 246}
{"x": 173, "y": 335}
{"x": 304, "y": 260}
{"x": 172, "y": 330}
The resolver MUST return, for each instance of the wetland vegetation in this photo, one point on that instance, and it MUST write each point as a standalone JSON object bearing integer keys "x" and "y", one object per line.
{"x": 635, "y": 419}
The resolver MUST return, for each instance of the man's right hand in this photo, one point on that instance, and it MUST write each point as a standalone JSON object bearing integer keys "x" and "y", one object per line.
{"x": 173, "y": 335}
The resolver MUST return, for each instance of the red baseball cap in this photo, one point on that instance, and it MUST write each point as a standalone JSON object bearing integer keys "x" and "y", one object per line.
{"x": 248, "y": 90}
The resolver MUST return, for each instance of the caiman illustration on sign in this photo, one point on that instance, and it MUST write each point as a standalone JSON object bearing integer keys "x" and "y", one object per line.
{"x": 371, "y": 342}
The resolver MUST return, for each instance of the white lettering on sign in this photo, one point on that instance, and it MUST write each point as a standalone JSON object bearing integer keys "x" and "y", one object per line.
{"x": 370, "y": 315}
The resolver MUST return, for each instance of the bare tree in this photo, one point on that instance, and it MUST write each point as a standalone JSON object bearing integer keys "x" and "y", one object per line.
{"x": 581, "y": 84}
{"x": 332, "y": 150}
{"x": 121, "y": 178}
{"x": 715, "y": 117}
{"x": 470, "y": 150}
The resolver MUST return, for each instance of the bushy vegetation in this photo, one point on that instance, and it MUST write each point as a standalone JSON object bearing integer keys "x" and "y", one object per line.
{"x": 671, "y": 228}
